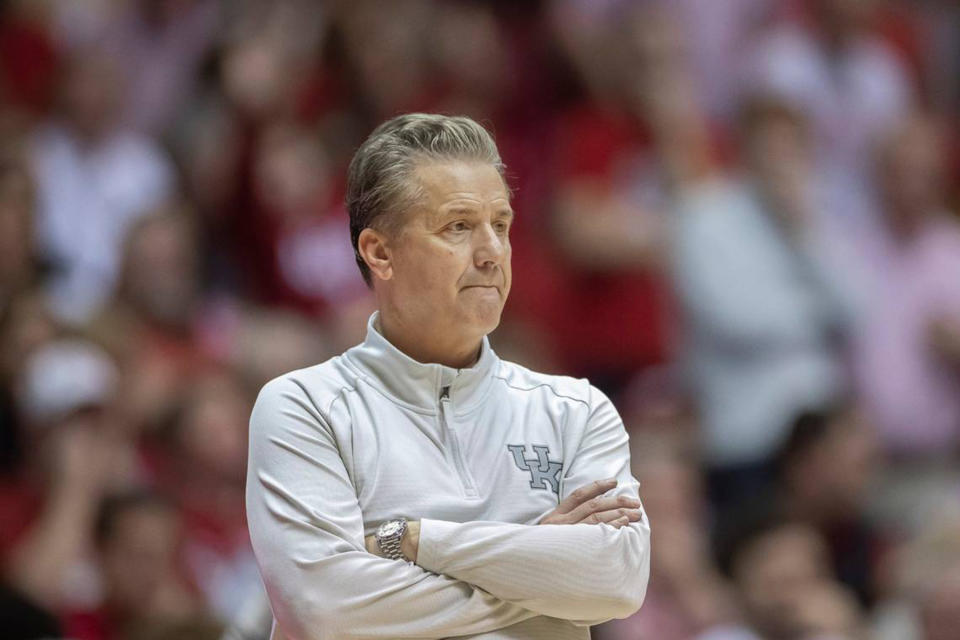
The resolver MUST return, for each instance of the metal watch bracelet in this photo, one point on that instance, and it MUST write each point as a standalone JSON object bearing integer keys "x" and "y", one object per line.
{"x": 390, "y": 546}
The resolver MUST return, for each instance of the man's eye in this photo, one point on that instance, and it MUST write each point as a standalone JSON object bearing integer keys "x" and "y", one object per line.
{"x": 458, "y": 226}
{"x": 501, "y": 227}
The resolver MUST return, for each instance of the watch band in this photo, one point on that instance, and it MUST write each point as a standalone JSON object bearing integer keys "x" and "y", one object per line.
{"x": 390, "y": 545}
{"x": 391, "y": 548}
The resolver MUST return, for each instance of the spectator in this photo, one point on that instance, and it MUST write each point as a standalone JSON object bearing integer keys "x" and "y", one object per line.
{"x": 825, "y": 473}
{"x": 161, "y": 46}
{"x": 716, "y": 32}
{"x": 617, "y": 158}
{"x": 206, "y": 475}
{"x": 93, "y": 180}
{"x": 306, "y": 223}
{"x": 153, "y": 319}
{"x": 372, "y": 40}
{"x": 782, "y": 571}
{"x": 852, "y": 85}
{"x": 752, "y": 269}
{"x": 908, "y": 347}
{"x": 78, "y": 453}
{"x": 158, "y": 46}
{"x": 136, "y": 537}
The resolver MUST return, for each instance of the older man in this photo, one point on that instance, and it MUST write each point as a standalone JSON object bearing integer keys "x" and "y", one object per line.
{"x": 397, "y": 490}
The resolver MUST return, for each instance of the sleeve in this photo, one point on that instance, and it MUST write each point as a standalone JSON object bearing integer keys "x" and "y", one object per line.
{"x": 306, "y": 528}
{"x": 584, "y": 573}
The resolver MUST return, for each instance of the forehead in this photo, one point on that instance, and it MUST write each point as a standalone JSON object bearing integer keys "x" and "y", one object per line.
{"x": 446, "y": 181}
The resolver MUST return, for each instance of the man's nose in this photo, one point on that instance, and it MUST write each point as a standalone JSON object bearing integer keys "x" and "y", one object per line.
{"x": 490, "y": 247}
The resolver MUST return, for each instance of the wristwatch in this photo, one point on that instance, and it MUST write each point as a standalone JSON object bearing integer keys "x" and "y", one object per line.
{"x": 388, "y": 535}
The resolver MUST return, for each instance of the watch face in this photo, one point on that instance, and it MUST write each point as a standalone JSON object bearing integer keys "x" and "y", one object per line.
{"x": 389, "y": 528}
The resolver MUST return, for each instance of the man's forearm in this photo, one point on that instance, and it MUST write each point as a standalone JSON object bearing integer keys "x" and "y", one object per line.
{"x": 584, "y": 573}
{"x": 588, "y": 506}
{"x": 370, "y": 597}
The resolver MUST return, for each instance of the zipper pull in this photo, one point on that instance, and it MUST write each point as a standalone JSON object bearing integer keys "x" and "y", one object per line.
{"x": 445, "y": 393}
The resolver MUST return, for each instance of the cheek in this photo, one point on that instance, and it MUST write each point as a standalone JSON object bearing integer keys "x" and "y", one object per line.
{"x": 430, "y": 268}
{"x": 508, "y": 268}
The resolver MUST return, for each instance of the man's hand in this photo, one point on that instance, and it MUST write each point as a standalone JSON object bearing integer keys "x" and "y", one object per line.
{"x": 409, "y": 544}
{"x": 587, "y": 505}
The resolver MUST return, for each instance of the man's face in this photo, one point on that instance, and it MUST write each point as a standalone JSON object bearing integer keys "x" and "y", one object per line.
{"x": 451, "y": 259}
{"x": 912, "y": 171}
{"x": 776, "y": 573}
{"x": 139, "y": 557}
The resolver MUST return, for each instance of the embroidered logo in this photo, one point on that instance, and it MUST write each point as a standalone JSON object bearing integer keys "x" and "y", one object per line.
{"x": 544, "y": 473}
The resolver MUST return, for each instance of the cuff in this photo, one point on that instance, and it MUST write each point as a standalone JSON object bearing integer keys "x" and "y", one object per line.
{"x": 432, "y": 548}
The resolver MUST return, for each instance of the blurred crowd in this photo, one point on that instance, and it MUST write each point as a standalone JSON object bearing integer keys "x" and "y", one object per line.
{"x": 737, "y": 217}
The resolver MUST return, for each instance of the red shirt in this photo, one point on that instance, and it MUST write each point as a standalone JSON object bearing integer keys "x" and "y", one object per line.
{"x": 611, "y": 321}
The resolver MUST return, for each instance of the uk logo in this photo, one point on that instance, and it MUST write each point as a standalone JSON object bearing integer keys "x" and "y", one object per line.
{"x": 544, "y": 472}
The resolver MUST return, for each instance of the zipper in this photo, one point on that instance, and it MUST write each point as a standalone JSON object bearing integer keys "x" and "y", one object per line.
{"x": 469, "y": 487}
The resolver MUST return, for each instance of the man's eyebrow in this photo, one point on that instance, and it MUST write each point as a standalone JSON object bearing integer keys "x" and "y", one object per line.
{"x": 459, "y": 209}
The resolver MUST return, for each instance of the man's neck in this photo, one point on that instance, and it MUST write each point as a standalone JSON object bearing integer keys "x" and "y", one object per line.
{"x": 427, "y": 347}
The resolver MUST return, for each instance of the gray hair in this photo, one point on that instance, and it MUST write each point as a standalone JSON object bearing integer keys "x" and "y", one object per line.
{"x": 378, "y": 182}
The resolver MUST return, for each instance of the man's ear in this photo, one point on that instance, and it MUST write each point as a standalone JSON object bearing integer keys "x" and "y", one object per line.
{"x": 372, "y": 245}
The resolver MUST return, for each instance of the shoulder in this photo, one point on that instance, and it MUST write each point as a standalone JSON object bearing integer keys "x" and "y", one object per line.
{"x": 313, "y": 388}
{"x": 519, "y": 380}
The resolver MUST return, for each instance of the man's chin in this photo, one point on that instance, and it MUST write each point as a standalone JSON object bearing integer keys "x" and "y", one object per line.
{"x": 484, "y": 317}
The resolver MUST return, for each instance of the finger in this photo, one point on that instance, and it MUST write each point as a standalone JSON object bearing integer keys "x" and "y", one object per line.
{"x": 619, "y": 522}
{"x": 585, "y": 493}
{"x": 633, "y": 515}
{"x": 598, "y": 504}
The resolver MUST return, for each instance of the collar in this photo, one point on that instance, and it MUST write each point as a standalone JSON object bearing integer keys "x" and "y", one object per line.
{"x": 417, "y": 384}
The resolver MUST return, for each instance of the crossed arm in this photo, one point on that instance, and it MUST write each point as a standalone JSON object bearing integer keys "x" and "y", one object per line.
{"x": 470, "y": 578}
{"x": 586, "y": 505}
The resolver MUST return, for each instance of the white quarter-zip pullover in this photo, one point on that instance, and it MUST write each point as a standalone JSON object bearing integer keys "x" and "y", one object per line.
{"x": 479, "y": 456}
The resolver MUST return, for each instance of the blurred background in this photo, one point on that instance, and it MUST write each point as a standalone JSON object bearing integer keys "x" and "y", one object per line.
{"x": 737, "y": 217}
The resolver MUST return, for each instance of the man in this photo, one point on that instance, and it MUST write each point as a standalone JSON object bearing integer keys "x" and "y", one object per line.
{"x": 848, "y": 80}
{"x": 906, "y": 359}
{"x": 94, "y": 179}
{"x": 755, "y": 271}
{"x": 910, "y": 325}
{"x": 395, "y": 491}
{"x": 780, "y": 567}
